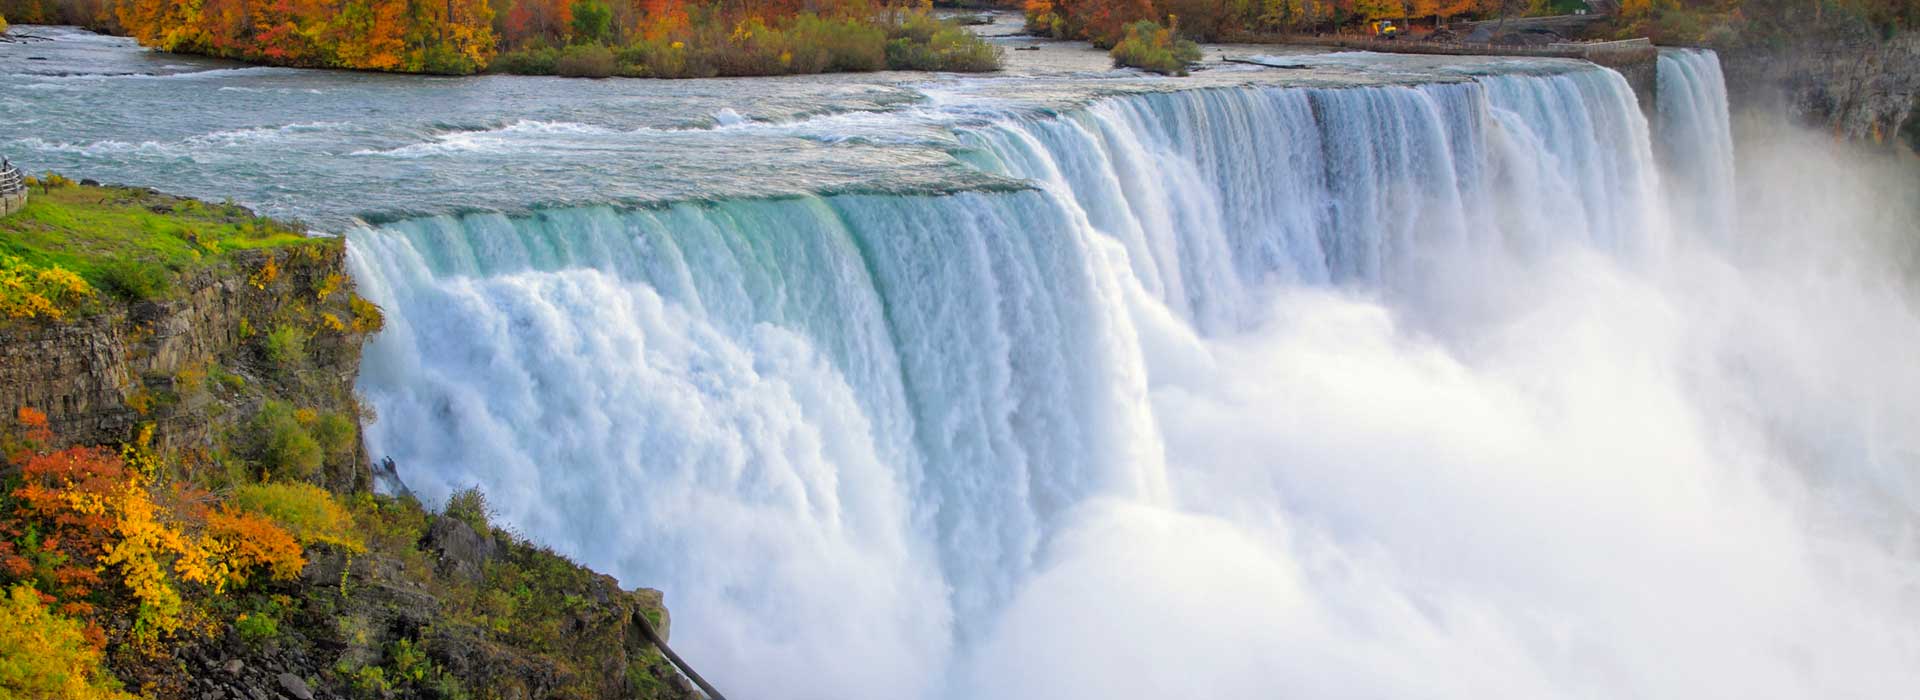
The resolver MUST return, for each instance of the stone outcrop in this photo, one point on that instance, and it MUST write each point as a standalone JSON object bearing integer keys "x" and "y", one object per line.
{"x": 100, "y": 376}
{"x": 1858, "y": 85}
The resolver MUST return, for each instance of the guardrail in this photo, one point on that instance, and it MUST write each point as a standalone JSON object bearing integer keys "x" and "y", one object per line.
{"x": 13, "y": 190}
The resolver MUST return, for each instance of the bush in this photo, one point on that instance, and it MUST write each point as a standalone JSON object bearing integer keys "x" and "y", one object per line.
{"x": 135, "y": 281}
{"x": 1150, "y": 47}
{"x": 585, "y": 61}
{"x": 469, "y": 505}
{"x": 51, "y": 292}
{"x": 535, "y": 60}
{"x": 286, "y": 346}
{"x": 308, "y": 511}
{"x": 921, "y": 42}
{"x": 257, "y": 627}
{"x": 252, "y": 542}
{"x": 44, "y": 655}
{"x": 286, "y": 448}
{"x": 336, "y": 434}
{"x": 836, "y": 45}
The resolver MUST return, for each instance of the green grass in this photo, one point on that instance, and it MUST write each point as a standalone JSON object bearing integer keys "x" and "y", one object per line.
{"x": 131, "y": 242}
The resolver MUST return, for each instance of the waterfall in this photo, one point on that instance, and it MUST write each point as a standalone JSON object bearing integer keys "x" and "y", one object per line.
{"x": 1696, "y": 144}
{"x": 1256, "y": 391}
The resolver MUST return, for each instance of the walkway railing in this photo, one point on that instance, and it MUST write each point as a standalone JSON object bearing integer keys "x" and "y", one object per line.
{"x": 13, "y": 190}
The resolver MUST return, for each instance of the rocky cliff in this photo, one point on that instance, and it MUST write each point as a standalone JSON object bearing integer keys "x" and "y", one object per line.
{"x": 226, "y": 367}
{"x": 1858, "y": 84}
{"x": 193, "y": 364}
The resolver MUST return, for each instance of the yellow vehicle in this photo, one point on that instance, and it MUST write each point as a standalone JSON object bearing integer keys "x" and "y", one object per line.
{"x": 1386, "y": 29}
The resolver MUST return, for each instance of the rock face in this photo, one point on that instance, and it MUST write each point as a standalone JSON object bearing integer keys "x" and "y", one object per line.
{"x": 1859, "y": 85}
{"x": 99, "y": 377}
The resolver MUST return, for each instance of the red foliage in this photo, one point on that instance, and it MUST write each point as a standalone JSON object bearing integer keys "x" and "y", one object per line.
{"x": 61, "y": 521}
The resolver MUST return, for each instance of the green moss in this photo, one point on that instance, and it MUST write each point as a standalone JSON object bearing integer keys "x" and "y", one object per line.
{"x": 133, "y": 242}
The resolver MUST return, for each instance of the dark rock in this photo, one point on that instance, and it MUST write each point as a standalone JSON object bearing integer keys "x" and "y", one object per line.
{"x": 295, "y": 687}
{"x": 463, "y": 551}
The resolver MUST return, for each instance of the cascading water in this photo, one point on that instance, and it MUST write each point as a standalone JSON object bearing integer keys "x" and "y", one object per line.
{"x": 1380, "y": 391}
{"x": 1696, "y": 145}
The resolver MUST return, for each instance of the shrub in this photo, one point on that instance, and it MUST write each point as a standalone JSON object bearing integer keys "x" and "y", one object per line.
{"x": 63, "y": 502}
{"x": 335, "y": 433}
{"x": 831, "y": 46}
{"x": 1148, "y": 46}
{"x": 286, "y": 346}
{"x": 469, "y": 505}
{"x": 585, "y": 61}
{"x": 51, "y": 292}
{"x": 252, "y": 543}
{"x": 921, "y": 42}
{"x": 308, "y": 511}
{"x": 533, "y": 60}
{"x": 286, "y": 449}
{"x": 257, "y": 627}
{"x": 44, "y": 655}
{"x": 135, "y": 281}
{"x": 367, "y": 317}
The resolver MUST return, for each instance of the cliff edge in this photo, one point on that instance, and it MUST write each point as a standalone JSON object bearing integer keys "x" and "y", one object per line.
{"x": 185, "y": 508}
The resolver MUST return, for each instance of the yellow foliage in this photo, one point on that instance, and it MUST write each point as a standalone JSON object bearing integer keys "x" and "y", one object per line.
{"x": 45, "y": 655}
{"x": 333, "y": 323}
{"x": 367, "y": 317}
{"x": 265, "y": 275}
{"x": 144, "y": 541}
{"x": 139, "y": 457}
{"x": 328, "y": 285}
{"x": 27, "y": 291}
{"x": 309, "y": 511}
{"x": 252, "y": 542}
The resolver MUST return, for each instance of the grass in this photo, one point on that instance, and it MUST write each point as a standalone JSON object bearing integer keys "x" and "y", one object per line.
{"x": 133, "y": 242}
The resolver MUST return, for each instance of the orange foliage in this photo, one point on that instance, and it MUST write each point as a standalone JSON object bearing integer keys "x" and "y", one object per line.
{"x": 255, "y": 543}
{"x": 83, "y": 511}
{"x": 450, "y": 36}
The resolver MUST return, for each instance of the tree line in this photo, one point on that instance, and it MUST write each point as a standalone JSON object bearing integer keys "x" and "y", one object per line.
{"x": 465, "y": 36}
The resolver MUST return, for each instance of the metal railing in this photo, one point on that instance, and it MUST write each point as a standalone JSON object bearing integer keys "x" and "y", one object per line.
{"x": 11, "y": 180}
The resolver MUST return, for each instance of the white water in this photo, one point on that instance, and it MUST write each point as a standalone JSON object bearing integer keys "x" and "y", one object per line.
{"x": 1696, "y": 145}
{"x": 1374, "y": 392}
